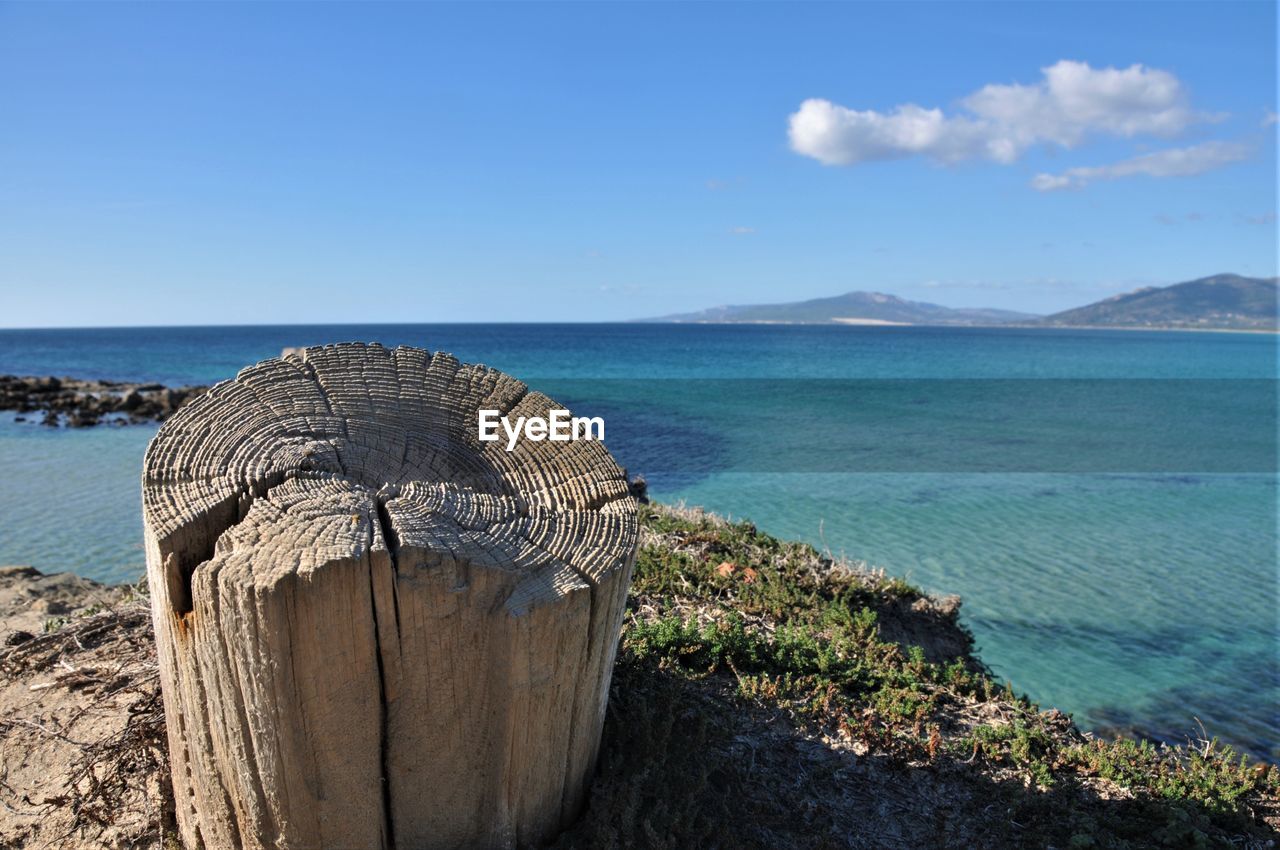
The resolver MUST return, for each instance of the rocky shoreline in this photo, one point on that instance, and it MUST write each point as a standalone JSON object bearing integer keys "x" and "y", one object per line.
{"x": 78, "y": 403}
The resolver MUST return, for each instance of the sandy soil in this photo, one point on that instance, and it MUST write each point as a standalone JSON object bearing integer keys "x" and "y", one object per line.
{"x": 82, "y": 757}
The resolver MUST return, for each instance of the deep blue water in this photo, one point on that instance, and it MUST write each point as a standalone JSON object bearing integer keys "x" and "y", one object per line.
{"x": 1104, "y": 501}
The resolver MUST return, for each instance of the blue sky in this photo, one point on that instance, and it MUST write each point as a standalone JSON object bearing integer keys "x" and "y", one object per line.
{"x": 262, "y": 163}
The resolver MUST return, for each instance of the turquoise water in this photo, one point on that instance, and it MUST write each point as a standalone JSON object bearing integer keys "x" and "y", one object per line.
{"x": 1105, "y": 502}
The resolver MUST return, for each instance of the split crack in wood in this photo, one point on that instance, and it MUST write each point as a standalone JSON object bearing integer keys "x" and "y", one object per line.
{"x": 374, "y": 629}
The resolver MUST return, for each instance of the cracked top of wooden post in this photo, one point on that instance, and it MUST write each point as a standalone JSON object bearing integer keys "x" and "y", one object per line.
{"x": 334, "y": 451}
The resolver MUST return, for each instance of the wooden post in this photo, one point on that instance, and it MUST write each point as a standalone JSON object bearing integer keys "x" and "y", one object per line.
{"x": 375, "y": 630}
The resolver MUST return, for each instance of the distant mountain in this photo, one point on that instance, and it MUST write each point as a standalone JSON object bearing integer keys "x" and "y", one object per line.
{"x": 1226, "y": 301}
{"x": 852, "y": 308}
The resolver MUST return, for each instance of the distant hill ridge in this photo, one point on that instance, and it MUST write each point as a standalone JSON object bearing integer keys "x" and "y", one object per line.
{"x": 1224, "y": 301}
{"x": 1221, "y": 301}
{"x": 852, "y": 308}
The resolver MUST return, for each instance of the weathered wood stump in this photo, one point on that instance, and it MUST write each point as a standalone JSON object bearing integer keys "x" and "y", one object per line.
{"x": 375, "y": 630}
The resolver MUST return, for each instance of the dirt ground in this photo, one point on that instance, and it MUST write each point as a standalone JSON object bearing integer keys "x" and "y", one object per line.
{"x": 81, "y": 723}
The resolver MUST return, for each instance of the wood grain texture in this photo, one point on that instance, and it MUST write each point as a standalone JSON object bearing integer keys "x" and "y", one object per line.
{"x": 374, "y": 630}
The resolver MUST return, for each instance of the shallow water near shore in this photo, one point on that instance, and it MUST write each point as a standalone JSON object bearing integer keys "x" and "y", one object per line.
{"x": 1127, "y": 590}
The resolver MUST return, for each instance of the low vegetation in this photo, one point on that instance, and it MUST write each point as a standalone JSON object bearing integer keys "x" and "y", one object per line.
{"x": 765, "y": 697}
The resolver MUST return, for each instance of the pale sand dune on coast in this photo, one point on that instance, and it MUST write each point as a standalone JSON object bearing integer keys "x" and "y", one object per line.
{"x": 854, "y": 320}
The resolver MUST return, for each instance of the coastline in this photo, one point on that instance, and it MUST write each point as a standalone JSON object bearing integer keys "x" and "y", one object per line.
{"x": 80, "y": 403}
{"x": 763, "y": 693}
{"x": 851, "y": 322}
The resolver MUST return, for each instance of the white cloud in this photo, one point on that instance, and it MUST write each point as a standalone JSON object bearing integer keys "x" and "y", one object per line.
{"x": 742, "y": 231}
{"x": 1049, "y": 182}
{"x": 999, "y": 122}
{"x": 1175, "y": 162}
{"x": 834, "y": 135}
{"x": 1074, "y": 100}
{"x": 1269, "y": 118}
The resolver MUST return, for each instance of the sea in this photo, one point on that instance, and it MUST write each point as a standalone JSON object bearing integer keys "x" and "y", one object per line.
{"x": 1104, "y": 501}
